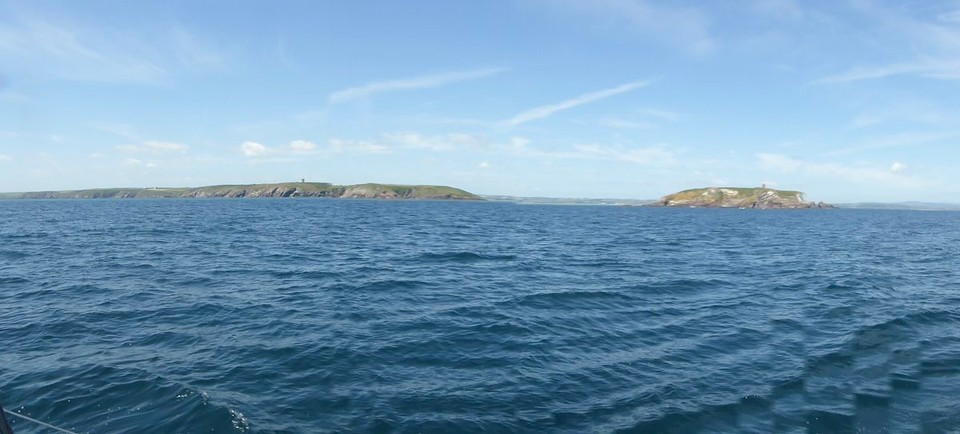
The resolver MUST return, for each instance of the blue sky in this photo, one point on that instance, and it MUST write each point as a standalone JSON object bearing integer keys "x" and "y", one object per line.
{"x": 848, "y": 100}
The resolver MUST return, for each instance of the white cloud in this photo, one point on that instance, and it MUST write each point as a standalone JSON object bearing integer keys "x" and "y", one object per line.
{"x": 358, "y": 146}
{"x": 154, "y": 147}
{"x": 389, "y": 142}
{"x": 158, "y": 146}
{"x": 865, "y": 174}
{"x": 5, "y": 158}
{"x": 897, "y": 167}
{"x": 136, "y": 162}
{"x": 519, "y": 142}
{"x": 447, "y": 142}
{"x": 548, "y": 110}
{"x": 484, "y": 165}
{"x": 302, "y": 146}
{"x": 420, "y": 82}
{"x": 254, "y": 149}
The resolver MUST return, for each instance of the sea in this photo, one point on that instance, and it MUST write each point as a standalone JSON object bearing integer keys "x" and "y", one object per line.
{"x": 374, "y": 316}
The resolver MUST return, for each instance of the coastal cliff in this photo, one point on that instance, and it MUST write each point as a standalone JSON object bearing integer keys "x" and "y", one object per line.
{"x": 733, "y": 197}
{"x": 289, "y": 189}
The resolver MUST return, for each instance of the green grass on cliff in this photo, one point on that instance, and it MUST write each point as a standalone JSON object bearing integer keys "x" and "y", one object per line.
{"x": 742, "y": 193}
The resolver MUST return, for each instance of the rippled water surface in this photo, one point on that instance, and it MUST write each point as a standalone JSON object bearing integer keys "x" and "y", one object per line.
{"x": 289, "y": 316}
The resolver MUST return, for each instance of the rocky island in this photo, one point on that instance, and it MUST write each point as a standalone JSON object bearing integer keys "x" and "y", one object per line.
{"x": 734, "y": 197}
{"x": 287, "y": 189}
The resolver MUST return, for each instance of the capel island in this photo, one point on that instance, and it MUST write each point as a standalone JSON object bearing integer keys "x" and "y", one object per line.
{"x": 736, "y": 197}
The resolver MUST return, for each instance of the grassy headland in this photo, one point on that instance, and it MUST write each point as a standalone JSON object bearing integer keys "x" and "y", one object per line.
{"x": 738, "y": 197}
{"x": 284, "y": 189}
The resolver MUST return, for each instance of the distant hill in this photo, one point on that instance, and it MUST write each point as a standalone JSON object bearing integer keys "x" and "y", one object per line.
{"x": 919, "y": 206}
{"x": 738, "y": 197}
{"x": 567, "y": 201}
{"x": 287, "y": 189}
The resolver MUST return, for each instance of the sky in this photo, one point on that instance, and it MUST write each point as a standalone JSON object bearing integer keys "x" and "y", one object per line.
{"x": 846, "y": 100}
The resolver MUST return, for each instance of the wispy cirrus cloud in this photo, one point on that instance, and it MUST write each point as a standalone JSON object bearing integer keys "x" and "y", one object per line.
{"x": 935, "y": 41}
{"x": 79, "y": 51}
{"x": 411, "y": 83}
{"x": 548, "y": 110}
{"x": 5, "y": 158}
{"x": 925, "y": 68}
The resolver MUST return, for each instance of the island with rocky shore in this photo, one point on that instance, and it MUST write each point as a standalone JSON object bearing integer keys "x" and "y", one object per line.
{"x": 287, "y": 189}
{"x": 738, "y": 197}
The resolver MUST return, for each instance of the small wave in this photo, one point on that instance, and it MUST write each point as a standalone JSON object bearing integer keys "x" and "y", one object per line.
{"x": 592, "y": 299}
{"x": 940, "y": 367}
{"x": 13, "y": 255}
{"x": 391, "y": 284}
{"x": 708, "y": 418}
{"x": 458, "y": 257}
{"x": 679, "y": 286}
{"x": 168, "y": 339}
{"x": 304, "y": 274}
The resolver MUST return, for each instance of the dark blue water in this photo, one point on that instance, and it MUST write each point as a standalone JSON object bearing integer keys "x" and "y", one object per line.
{"x": 289, "y": 316}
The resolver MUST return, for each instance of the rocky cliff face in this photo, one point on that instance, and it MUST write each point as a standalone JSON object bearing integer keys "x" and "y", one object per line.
{"x": 730, "y": 197}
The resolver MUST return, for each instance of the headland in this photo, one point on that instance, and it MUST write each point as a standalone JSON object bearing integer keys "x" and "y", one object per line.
{"x": 739, "y": 197}
{"x": 285, "y": 189}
